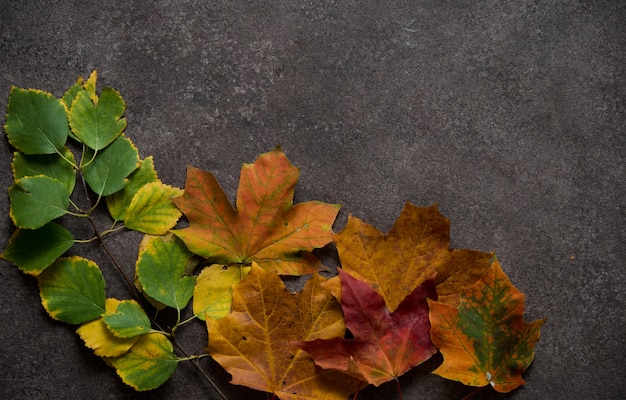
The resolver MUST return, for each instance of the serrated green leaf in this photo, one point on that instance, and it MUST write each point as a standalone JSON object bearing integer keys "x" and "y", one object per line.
{"x": 213, "y": 293}
{"x": 56, "y": 166}
{"x": 152, "y": 210}
{"x": 97, "y": 124}
{"x": 118, "y": 202}
{"x": 36, "y": 122}
{"x": 161, "y": 267}
{"x": 72, "y": 290}
{"x": 100, "y": 339}
{"x": 148, "y": 364}
{"x": 34, "y": 250}
{"x": 128, "y": 320}
{"x": 71, "y": 93}
{"x": 107, "y": 173}
{"x": 37, "y": 200}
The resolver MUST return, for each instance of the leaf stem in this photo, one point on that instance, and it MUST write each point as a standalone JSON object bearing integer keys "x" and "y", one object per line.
{"x": 399, "y": 390}
{"x": 194, "y": 357}
{"x": 473, "y": 393}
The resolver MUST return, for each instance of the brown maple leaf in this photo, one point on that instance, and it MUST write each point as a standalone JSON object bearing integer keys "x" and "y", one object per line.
{"x": 266, "y": 227}
{"x": 385, "y": 345}
{"x": 416, "y": 248}
{"x": 254, "y": 342}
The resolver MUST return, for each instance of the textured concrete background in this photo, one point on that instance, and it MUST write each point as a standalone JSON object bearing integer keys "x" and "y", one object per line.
{"x": 509, "y": 114}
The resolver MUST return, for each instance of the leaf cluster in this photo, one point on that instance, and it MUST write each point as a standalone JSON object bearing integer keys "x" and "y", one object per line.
{"x": 397, "y": 299}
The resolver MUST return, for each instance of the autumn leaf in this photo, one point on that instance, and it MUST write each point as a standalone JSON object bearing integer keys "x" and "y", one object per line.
{"x": 485, "y": 340}
{"x": 415, "y": 248}
{"x": 254, "y": 342}
{"x": 266, "y": 227}
{"x": 385, "y": 345}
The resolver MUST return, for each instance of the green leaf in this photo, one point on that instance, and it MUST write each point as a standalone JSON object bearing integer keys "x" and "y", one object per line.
{"x": 57, "y": 166}
{"x": 107, "y": 173}
{"x": 148, "y": 364}
{"x": 34, "y": 250}
{"x": 152, "y": 210}
{"x": 37, "y": 200}
{"x": 213, "y": 293}
{"x": 100, "y": 339}
{"x": 97, "y": 124}
{"x": 71, "y": 93}
{"x": 118, "y": 202}
{"x": 128, "y": 320}
{"x": 161, "y": 267}
{"x": 36, "y": 122}
{"x": 72, "y": 290}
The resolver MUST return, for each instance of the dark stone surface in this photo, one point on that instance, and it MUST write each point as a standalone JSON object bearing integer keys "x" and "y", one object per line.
{"x": 510, "y": 115}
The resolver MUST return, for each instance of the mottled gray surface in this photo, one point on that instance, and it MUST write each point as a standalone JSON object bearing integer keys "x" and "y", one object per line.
{"x": 509, "y": 114}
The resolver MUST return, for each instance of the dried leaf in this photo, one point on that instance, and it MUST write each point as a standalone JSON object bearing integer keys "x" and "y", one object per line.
{"x": 254, "y": 342}
{"x": 416, "y": 248}
{"x": 266, "y": 227}
{"x": 385, "y": 345}
{"x": 485, "y": 340}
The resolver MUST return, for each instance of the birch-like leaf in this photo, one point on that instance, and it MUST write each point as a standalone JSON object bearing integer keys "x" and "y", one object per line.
{"x": 98, "y": 337}
{"x": 118, "y": 202}
{"x": 32, "y": 250}
{"x": 37, "y": 200}
{"x": 127, "y": 320}
{"x": 485, "y": 341}
{"x": 72, "y": 290}
{"x": 57, "y": 166}
{"x": 152, "y": 211}
{"x": 148, "y": 364}
{"x": 36, "y": 122}
{"x": 107, "y": 170}
{"x": 213, "y": 293}
{"x": 97, "y": 124}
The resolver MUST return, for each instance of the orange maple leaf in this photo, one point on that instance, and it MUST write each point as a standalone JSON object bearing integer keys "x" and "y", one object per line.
{"x": 485, "y": 340}
{"x": 416, "y": 248}
{"x": 254, "y": 342}
{"x": 266, "y": 227}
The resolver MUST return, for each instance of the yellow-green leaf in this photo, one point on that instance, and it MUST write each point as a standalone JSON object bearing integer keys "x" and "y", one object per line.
{"x": 213, "y": 293}
{"x": 100, "y": 339}
{"x": 148, "y": 364}
{"x": 118, "y": 202}
{"x": 152, "y": 210}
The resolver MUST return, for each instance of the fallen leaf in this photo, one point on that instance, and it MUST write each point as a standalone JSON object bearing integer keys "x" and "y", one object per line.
{"x": 254, "y": 342}
{"x": 385, "y": 345}
{"x": 416, "y": 248}
{"x": 213, "y": 293}
{"x": 485, "y": 340}
{"x": 109, "y": 168}
{"x": 151, "y": 210}
{"x": 265, "y": 228}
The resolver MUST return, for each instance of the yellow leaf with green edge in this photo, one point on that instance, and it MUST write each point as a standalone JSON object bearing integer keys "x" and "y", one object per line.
{"x": 148, "y": 364}
{"x": 100, "y": 339}
{"x": 152, "y": 211}
{"x": 266, "y": 228}
{"x": 72, "y": 290}
{"x": 485, "y": 340}
{"x": 118, "y": 202}
{"x": 213, "y": 293}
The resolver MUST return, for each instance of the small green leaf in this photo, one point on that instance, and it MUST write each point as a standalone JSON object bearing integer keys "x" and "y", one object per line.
{"x": 97, "y": 124}
{"x": 100, "y": 339}
{"x": 128, "y": 320}
{"x": 107, "y": 173}
{"x": 118, "y": 202}
{"x": 148, "y": 364}
{"x": 152, "y": 210}
{"x": 161, "y": 267}
{"x": 72, "y": 290}
{"x": 36, "y": 122}
{"x": 71, "y": 93}
{"x": 37, "y": 200}
{"x": 57, "y": 166}
{"x": 34, "y": 250}
{"x": 213, "y": 293}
